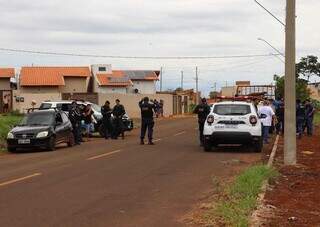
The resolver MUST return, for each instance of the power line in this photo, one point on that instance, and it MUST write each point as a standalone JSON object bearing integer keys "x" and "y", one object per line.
{"x": 132, "y": 57}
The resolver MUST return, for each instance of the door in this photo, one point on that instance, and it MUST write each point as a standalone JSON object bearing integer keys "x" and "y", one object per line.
{"x": 59, "y": 128}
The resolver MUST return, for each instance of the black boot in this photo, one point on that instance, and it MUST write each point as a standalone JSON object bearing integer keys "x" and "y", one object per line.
{"x": 150, "y": 142}
{"x": 141, "y": 142}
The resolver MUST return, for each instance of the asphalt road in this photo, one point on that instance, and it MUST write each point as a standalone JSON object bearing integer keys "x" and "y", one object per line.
{"x": 114, "y": 183}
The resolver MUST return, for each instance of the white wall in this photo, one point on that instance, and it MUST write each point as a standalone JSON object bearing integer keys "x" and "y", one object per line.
{"x": 130, "y": 102}
{"x": 111, "y": 90}
{"x": 144, "y": 87}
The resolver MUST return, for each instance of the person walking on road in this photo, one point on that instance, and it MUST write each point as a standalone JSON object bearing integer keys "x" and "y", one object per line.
{"x": 267, "y": 117}
{"x": 106, "y": 112}
{"x": 203, "y": 111}
{"x": 87, "y": 115}
{"x": 310, "y": 110}
{"x": 75, "y": 119}
{"x": 118, "y": 112}
{"x": 147, "y": 122}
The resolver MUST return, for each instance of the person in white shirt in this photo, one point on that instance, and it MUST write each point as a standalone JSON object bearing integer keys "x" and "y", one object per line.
{"x": 267, "y": 115}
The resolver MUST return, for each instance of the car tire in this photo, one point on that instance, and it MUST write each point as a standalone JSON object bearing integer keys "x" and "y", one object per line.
{"x": 71, "y": 141}
{"x": 51, "y": 144}
{"x": 207, "y": 146}
{"x": 12, "y": 149}
{"x": 258, "y": 146}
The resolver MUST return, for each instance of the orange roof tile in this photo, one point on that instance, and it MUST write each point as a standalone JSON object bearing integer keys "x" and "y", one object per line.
{"x": 50, "y": 76}
{"x": 7, "y": 72}
{"x": 116, "y": 79}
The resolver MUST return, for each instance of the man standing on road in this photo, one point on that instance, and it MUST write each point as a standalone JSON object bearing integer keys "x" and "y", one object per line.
{"x": 75, "y": 119}
{"x": 147, "y": 121}
{"x": 203, "y": 111}
{"x": 267, "y": 116}
{"x": 310, "y": 110}
{"x": 118, "y": 112}
{"x": 106, "y": 112}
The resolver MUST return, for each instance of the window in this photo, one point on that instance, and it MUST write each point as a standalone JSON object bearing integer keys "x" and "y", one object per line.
{"x": 102, "y": 69}
{"x": 45, "y": 106}
{"x": 232, "y": 109}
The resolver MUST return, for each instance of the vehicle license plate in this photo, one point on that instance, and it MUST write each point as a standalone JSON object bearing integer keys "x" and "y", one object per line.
{"x": 232, "y": 126}
{"x": 24, "y": 141}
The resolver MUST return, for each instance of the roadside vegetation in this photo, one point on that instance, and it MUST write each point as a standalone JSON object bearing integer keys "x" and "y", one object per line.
{"x": 317, "y": 118}
{"x": 240, "y": 198}
{"x": 6, "y": 123}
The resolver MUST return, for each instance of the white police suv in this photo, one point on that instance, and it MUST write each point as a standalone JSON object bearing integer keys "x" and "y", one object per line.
{"x": 233, "y": 122}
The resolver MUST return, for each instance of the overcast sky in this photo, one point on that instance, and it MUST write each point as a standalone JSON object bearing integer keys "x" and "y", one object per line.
{"x": 158, "y": 28}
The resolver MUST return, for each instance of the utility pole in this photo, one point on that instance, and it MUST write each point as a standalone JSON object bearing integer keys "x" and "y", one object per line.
{"x": 197, "y": 89}
{"x": 161, "y": 78}
{"x": 215, "y": 91}
{"x": 181, "y": 80}
{"x": 290, "y": 141}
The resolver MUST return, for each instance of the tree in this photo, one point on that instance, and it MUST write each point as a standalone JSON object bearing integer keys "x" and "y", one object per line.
{"x": 302, "y": 90}
{"x": 213, "y": 94}
{"x": 307, "y": 67}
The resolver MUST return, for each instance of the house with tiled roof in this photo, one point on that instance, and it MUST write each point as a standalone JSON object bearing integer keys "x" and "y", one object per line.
{"x": 54, "y": 79}
{"x": 107, "y": 80}
{"x": 6, "y": 74}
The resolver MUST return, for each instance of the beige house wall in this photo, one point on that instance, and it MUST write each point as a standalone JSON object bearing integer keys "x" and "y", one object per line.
{"x": 39, "y": 89}
{"x": 5, "y": 84}
{"x": 130, "y": 102}
{"x": 228, "y": 91}
{"x": 29, "y": 97}
{"x": 75, "y": 85}
{"x": 315, "y": 92}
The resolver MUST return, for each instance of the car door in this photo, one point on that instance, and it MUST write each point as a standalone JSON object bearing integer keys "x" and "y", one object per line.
{"x": 59, "y": 128}
{"x": 66, "y": 126}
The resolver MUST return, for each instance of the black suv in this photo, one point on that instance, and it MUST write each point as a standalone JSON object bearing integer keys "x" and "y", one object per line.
{"x": 41, "y": 129}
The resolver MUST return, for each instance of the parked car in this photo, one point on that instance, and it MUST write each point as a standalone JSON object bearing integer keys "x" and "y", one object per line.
{"x": 233, "y": 123}
{"x": 64, "y": 105}
{"x": 41, "y": 129}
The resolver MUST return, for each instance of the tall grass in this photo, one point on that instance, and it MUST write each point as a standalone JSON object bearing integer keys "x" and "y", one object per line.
{"x": 6, "y": 123}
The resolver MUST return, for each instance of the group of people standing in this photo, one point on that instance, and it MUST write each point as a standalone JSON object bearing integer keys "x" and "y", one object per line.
{"x": 112, "y": 119}
{"x": 113, "y": 127}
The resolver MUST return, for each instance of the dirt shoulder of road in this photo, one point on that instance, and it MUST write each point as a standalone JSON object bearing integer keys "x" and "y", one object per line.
{"x": 293, "y": 199}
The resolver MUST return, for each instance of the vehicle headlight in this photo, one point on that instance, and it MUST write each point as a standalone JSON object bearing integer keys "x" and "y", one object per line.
{"x": 10, "y": 135}
{"x": 42, "y": 134}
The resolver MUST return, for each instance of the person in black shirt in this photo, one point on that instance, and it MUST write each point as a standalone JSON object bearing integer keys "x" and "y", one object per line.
{"x": 280, "y": 117}
{"x": 147, "y": 122}
{"x": 118, "y": 112}
{"x": 75, "y": 119}
{"x": 203, "y": 111}
{"x": 310, "y": 110}
{"x": 106, "y": 112}
{"x": 300, "y": 114}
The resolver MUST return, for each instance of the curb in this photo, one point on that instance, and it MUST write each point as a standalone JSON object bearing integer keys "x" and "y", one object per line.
{"x": 254, "y": 221}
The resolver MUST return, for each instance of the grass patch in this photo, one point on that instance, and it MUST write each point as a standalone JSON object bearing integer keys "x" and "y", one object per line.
{"x": 6, "y": 123}
{"x": 240, "y": 198}
{"x": 317, "y": 118}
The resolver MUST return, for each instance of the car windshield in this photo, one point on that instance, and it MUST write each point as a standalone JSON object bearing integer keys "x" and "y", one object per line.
{"x": 232, "y": 109}
{"x": 95, "y": 107}
{"x": 45, "y": 106}
{"x": 38, "y": 119}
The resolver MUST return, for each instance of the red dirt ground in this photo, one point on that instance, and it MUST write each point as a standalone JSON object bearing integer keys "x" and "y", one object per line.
{"x": 295, "y": 196}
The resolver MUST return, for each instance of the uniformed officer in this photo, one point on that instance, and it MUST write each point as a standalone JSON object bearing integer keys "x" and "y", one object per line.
{"x": 203, "y": 111}
{"x": 147, "y": 122}
{"x": 118, "y": 112}
{"x": 106, "y": 112}
{"x": 75, "y": 119}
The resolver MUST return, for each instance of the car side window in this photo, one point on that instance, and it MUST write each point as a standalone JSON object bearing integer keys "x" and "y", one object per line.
{"x": 65, "y": 106}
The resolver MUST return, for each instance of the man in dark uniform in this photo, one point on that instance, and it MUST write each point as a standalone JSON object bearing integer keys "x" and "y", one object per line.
{"x": 75, "y": 119}
{"x": 106, "y": 112}
{"x": 203, "y": 111}
{"x": 300, "y": 114}
{"x": 118, "y": 112}
{"x": 147, "y": 121}
{"x": 310, "y": 111}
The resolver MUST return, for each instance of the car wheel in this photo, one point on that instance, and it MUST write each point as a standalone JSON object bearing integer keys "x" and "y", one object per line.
{"x": 101, "y": 130}
{"x": 258, "y": 146}
{"x": 207, "y": 146}
{"x": 11, "y": 149}
{"x": 51, "y": 144}
{"x": 71, "y": 140}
